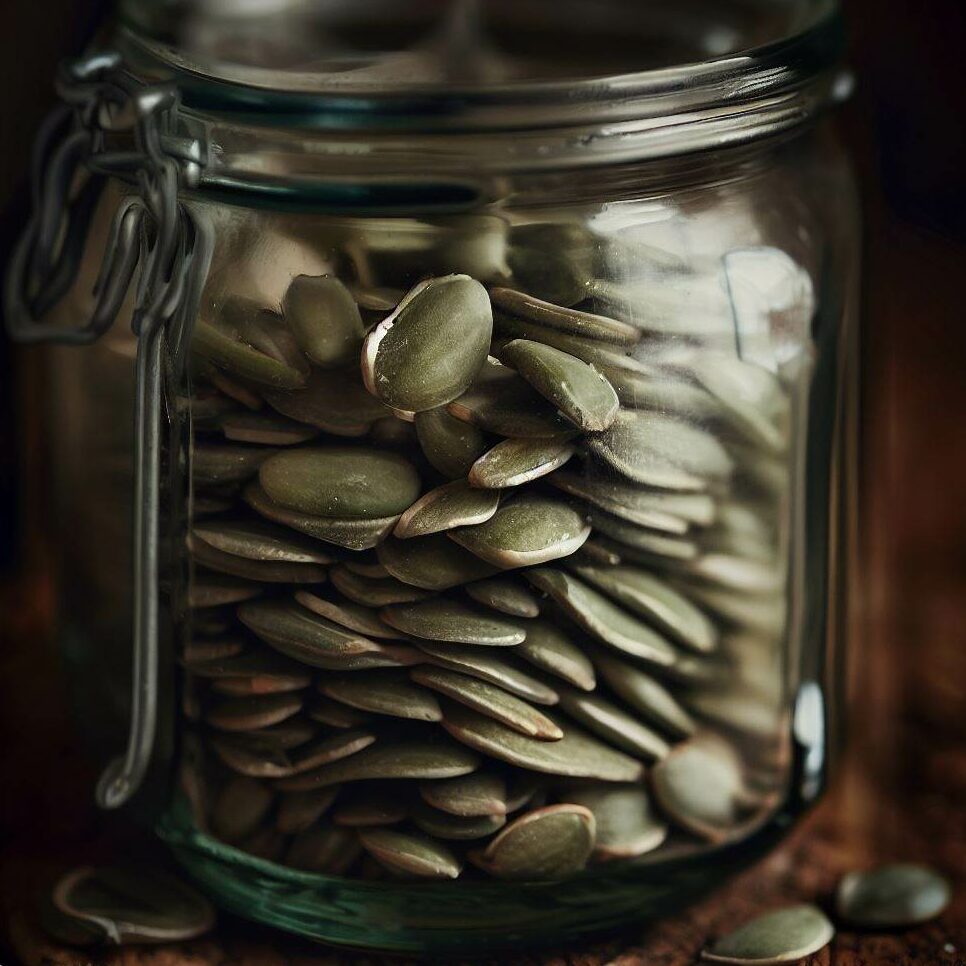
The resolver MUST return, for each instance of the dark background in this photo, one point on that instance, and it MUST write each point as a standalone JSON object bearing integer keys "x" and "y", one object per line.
{"x": 906, "y": 127}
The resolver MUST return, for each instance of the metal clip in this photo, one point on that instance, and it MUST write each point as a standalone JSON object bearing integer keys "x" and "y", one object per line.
{"x": 154, "y": 235}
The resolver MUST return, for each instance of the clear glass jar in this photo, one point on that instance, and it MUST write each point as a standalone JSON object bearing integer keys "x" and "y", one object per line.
{"x": 490, "y": 370}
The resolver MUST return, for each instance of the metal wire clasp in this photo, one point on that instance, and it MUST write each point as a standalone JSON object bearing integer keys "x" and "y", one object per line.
{"x": 110, "y": 124}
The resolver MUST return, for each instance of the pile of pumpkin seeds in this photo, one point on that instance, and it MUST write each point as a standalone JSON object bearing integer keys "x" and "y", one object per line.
{"x": 488, "y": 562}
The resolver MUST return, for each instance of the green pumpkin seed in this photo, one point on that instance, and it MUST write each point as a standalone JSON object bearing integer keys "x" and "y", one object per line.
{"x": 265, "y": 429}
{"x": 383, "y": 692}
{"x": 552, "y": 260}
{"x": 127, "y": 906}
{"x": 206, "y": 406}
{"x": 324, "y": 319}
{"x": 250, "y": 713}
{"x": 340, "y": 481}
{"x": 410, "y": 855}
{"x": 752, "y": 396}
{"x": 479, "y": 794}
{"x": 429, "y": 350}
{"x": 269, "y": 571}
{"x": 442, "y": 825}
{"x": 240, "y": 808}
{"x": 236, "y": 390}
{"x": 660, "y": 390}
{"x": 202, "y": 651}
{"x": 365, "y": 565}
{"x": 501, "y": 402}
{"x": 450, "y": 620}
{"x": 739, "y": 574}
{"x": 211, "y": 463}
{"x": 256, "y": 540}
{"x": 548, "y": 648}
{"x": 548, "y": 843}
{"x": 517, "y": 461}
{"x": 602, "y": 618}
{"x": 661, "y": 451}
{"x": 575, "y": 388}
{"x": 455, "y": 504}
{"x": 355, "y": 617}
{"x": 765, "y": 614}
{"x": 391, "y": 432}
{"x": 331, "y": 748}
{"x": 892, "y": 896}
{"x": 643, "y": 694}
{"x": 567, "y": 320}
{"x": 639, "y": 543}
{"x": 375, "y": 298}
{"x": 483, "y": 664}
{"x": 252, "y": 760}
{"x": 615, "y": 726}
{"x": 263, "y": 684}
{"x": 216, "y": 590}
{"x": 531, "y": 530}
{"x": 699, "y": 786}
{"x": 432, "y": 562}
{"x": 337, "y": 715}
{"x": 370, "y": 807}
{"x": 328, "y": 850}
{"x": 259, "y": 663}
{"x": 334, "y": 401}
{"x": 576, "y": 755}
{"x": 419, "y": 759}
{"x": 300, "y": 811}
{"x": 451, "y": 445}
{"x": 223, "y": 346}
{"x": 785, "y": 936}
{"x": 207, "y": 506}
{"x": 506, "y": 595}
{"x": 300, "y": 634}
{"x": 374, "y": 591}
{"x": 651, "y": 598}
{"x": 626, "y": 824}
{"x": 489, "y": 700}
{"x": 354, "y": 534}
{"x": 287, "y": 735}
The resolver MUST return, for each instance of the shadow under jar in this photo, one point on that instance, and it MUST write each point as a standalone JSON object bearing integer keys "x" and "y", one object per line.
{"x": 491, "y": 373}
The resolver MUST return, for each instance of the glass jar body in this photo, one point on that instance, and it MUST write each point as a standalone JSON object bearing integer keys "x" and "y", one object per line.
{"x": 541, "y": 499}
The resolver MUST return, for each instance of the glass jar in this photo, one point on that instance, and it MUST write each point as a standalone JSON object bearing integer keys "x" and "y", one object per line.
{"x": 484, "y": 524}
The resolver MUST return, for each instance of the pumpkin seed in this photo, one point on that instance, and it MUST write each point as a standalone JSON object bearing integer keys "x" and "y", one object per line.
{"x": 429, "y": 350}
{"x": 236, "y": 390}
{"x": 451, "y": 445}
{"x": 488, "y": 699}
{"x": 255, "y": 760}
{"x": 215, "y": 590}
{"x": 373, "y": 806}
{"x": 699, "y": 786}
{"x": 548, "y": 843}
{"x": 405, "y": 759}
{"x": 337, "y": 715}
{"x": 784, "y": 936}
{"x": 552, "y": 260}
{"x": 482, "y": 793}
{"x": 661, "y": 390}
{"x": 504, "y": 594}
{"x": 354, "y": 534}
{"x": 330, "y": 850}
{"x": 340, "y": 481}
{"x": 892, "y": 896}
{"x": 615, "y": 726}
{"x": 548, "y": 648}
{"x": 501, "y": 402}
{"x": 200, "y": 652}
{"x": 530, "y": 530}
{"x": 270, "y": 571}
{"x": 331, "y": 748}
{"x": 575, "y": 388}
{"x": 240, "y": 808}
{"x": 450, "y": 620}
{"x": 442, "y": 825}
{"x": 432, "y": 562}
{"x": 260, "y": 663}
{"x": 568, "y": 320}
{"x": 324, "y": 320}
{"x": 661, "y": 451}
{"x": 384, "y": 692}
{"x": 410, "y": 855}
{"x": 626, "y": 824}
{"x": 216, "y": 463}
{"x": 287, "y": 735}
{"x": 517, "y": 461}
{"x": 643, "y": 694}
{"x": 575, "y": 755}
{"x": 125, "y": 906}
{"x": 737, "y": 573}
{"x": 635, "y": 542}
{"x": 483, "y": 664}
{"x": 375, "y": 591}
{"x": 651, "y": 598}
{"x": 605, "y": 620}
{"x": 265, "y": 429}
{"x": 335, "y": 401}
{"x": 250, "y": 713}
{"x": 455, "y": 504}
{"x": 256, "y": 540}
{"x": 374, "y": 298}
{"x": 356, "y": 617}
